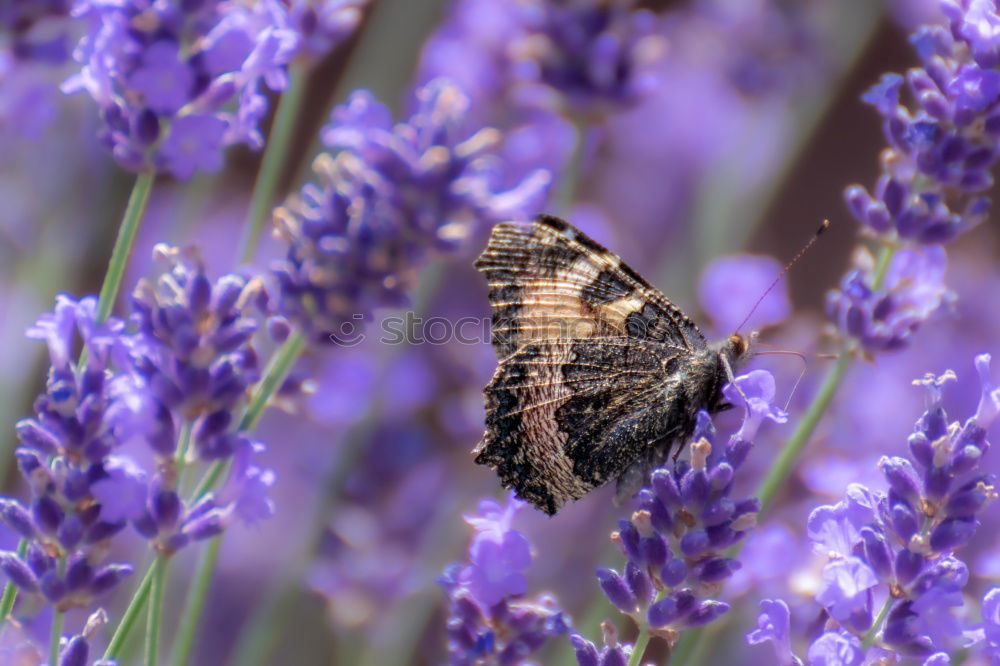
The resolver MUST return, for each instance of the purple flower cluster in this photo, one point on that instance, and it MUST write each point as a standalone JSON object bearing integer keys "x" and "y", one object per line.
{"x": 489, "y": 620}
{"x": 37, "y": 30}
{"x": 933, "y": 173}
{"x": 178, "y": 82}
{"x": 587, "y": 57}
{"x": 942, "y": 147}
{"x": 675, "y": 543}
{"x": 896, "y": 549}
{"x": 596, "y": 56}
{"x": 392, "y": 194}
{"x": 17, "y": 648}
{"x": 612, "y": 654}
{"x": 190, "y": 366}
{"x": 885, "y": 319}
{"x": 65, "y": 450}
{"x": 323, "y": 24}
{"x": 192, "y": 351}
{"x": 178, "y": 372}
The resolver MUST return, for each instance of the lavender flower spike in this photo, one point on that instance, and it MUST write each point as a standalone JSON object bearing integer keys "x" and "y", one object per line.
{"x": 675, "y": 543}
{"x": 773, "y": 626}
{"x": 489, "y": 619}
{"x": 943, "y": 145}
{"x": 65, "y": 451}
{"x": 392, "y": 195}
{"x": 596, "y": 56}
{"x": 899, "y": 546}
{"x": 165, "y": 74}
{"x": 612, "y": 654}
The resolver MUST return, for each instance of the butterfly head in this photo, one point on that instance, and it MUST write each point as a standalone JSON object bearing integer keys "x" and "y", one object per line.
{"x": 738, "y": 347}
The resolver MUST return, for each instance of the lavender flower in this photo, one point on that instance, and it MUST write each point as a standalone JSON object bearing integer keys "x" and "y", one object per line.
{"x": 473, "y": 48}
{"x": 391, "y": 195}
{"x": 991, "y": 624}
{"x": 612, "y": 654}
{"x": 897, "y": 548}
{"x": 323, "y": 24}
{"x": 489, "y": 619}
{"x": 178, "y": 82}
{"x": 64, "y": 451}
{"x": 192, "y": 352}
{"x": 675, "y": 543}
{"x": 595, "y": 56}
{"x": 937, "y": 164}
{"x": 17, "y": 649}
{"x": 36, "y": 30}
{"x": 884, "y": 319}
{"x": 774, "y": 627}
{"x": 186, "y": 361}
{"x": 941, "y": 148}
{"x": 191, "y": 361}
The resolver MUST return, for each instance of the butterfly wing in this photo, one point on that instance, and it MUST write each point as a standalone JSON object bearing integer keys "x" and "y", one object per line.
{"x": 565, "y": 416}
{"x": 592, "y": 367}
{"x": 549, "y": 281}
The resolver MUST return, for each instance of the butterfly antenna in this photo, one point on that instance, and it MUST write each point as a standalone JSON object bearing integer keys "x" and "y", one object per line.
{"x": 805, "y": 363}
{"x": 805, "y": 248}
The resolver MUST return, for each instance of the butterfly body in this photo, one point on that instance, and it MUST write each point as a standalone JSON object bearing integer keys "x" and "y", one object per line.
{"x": 599, "y": 375}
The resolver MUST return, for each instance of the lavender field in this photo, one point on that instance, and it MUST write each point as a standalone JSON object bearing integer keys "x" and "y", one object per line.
{"x": 244, "y": 345}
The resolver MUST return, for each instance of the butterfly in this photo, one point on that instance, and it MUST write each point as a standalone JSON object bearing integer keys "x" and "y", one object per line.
{"x": 599, "y": 374}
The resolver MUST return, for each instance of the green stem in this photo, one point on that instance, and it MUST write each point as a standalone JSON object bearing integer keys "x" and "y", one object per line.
{"x": 194, "y": 605}
{"x": 776, "y": 477}
{"x": 127, "y": 232}
{"x": 276, "y": 372}
{"x": 155, "y": 615}
{"x": 55, "y": 636}
{"x": 130, "y": 616}
{"x": 10, "y": 590}
{"x": 869, "y": 639}
{"x": 210, "y": 479}
{"x": 180, "y": 457}
{"x": 277, "y": 369}
{"x": 273, "y": 164}
{"x": 790, "y": 453}
{"x": 639, "y": 648}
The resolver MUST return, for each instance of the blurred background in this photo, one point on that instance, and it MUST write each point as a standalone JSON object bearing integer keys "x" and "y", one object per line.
{"x": 744, "y": 146}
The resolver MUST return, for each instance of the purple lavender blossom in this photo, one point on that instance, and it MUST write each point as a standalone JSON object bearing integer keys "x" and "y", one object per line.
{"x": 473, "y": 48}
{"x": 774, "y": 627}
{"x": 941, "y": 147}
{"x": 675, "y": 544}
{"x": 64, "y": 450}
{"x": 611, "y": 654}
{"x": 176, "y": 83}
{"x": 191, "y": 361}
{"x": 897, "y": 548}
{"x": 835, "y": 648}
{"x": 18, "y": 649}
{"x": 489, "y": 617}
{"x": 390, "y": 196}
{"x": 36, "y": 30}
{"x": 885, "y": 319}
{"x": 990, "y": 612}
{"x": 192, "y": 351}
{"x": 323, "y": 24}
{"x": 184, "y": 365}
{"x": 591, "y": 57}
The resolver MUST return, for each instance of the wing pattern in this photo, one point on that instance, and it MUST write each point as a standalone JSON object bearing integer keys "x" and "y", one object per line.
{"x": 550, "y": 281}
{"x": 596, "y": 366}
